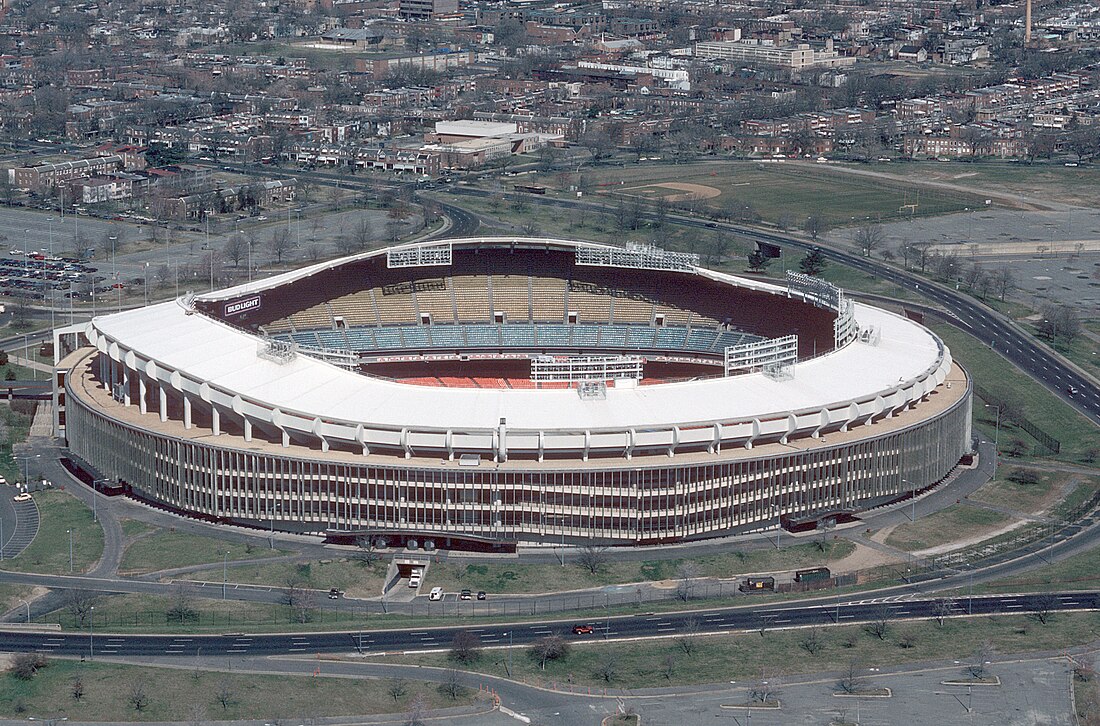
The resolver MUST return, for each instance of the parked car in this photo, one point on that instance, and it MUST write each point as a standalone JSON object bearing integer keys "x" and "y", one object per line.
{"x": 465, "y": 595}
{"x": 414, "y": 581}
{"x": 436, "y": 593}
{"x": 481, "y": 595}
{"x": 22, "y": 497}
{"x": 334, "y": 594}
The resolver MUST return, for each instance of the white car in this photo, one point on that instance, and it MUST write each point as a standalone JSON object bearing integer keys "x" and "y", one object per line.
{"x": 414, "y": 581}
{"x": 24, "y": 497}
{"x": 436, "y": 593}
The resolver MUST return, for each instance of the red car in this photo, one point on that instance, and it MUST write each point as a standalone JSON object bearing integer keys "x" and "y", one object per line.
{"x": 583, "y": 630}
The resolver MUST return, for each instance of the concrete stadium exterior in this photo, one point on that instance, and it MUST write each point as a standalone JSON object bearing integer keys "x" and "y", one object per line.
{"x": 209, "y": 405}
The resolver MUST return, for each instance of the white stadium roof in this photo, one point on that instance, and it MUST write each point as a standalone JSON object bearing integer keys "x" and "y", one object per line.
{"x": 210, "y": 351}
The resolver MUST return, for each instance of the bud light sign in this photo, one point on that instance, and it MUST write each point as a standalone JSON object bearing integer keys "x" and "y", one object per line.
{"x": 242, "y": 306}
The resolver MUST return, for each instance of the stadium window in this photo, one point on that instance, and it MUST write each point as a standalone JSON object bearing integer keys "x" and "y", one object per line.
{"x": 498, "y": 317}
{"x": 425, "y": 318}
{"x": 571, "y": 317}
{"x": 341, "y": 324}
{"x": 659, "y": 320}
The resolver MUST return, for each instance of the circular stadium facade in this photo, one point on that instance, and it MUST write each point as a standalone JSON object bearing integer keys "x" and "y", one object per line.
{"x": 489, "y": 391}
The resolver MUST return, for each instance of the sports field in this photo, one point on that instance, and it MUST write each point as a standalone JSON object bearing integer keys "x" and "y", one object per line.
{"x": 774, "y": 190}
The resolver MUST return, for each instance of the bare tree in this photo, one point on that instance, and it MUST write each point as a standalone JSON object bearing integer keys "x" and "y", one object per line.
{"x": 688, "y": 639}
{"x": 367, "y": 553}
{"x": 607, "y": 669}
{"x": 879, "y": 625}
{"x": 1059, "y": 323}
{"x": 25, "y": 666}
{"x": 280, "y": 244}
{"x": 942, "y": 607}
{"x": 236, "y": 249}
{"x": 764, "y": 690}
{"x": 869, "y": 237}
{"x": 226, "y": 695}
{"x": 812, "y": 642}
{"x": 182, "y": 610}
{"x": 764, "y": 621}
{"x": 686, "y": 572}
{"x": 552, "y": 647}
{"x": 815, "y": 226}
{"x": 137, "y": 697}
{"x": 592, "y": 558}
{"x": 980, "y": 660}
{"x": 1043, "y": 606}
{"x": 302, "y": 601}
{"x": 465, "y": 647}
{"x": 76, "y": 688}
{"x": 418, "y": 706}
{"x": 852, "y": 679}
{"x": 824, "y": 528}
{"x": 398, "y": 688}
{"x": 80, "y": 604}
{"x": 907, "y": 639}
{"x": 452, "y": 685}
{"x": 668, "y": 666}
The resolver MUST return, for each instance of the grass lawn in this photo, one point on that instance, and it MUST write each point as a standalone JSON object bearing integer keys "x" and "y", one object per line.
{"x": 167, "y": 548}
{"x": 957, "y": 522}
{"x": 134, "y": 527}
{"x": 772, "y": 189}
{"x": 1054, "y": 182}
{"x": 1031, "y": 498}
{"x": 517, "y": 578}
{"x": 1078, "y": 572}
{"x": 742, "y": 657}
{"x": 1002, "y": 379}
{"x": 354, "y": 578}
{"x": 10, "y": 595}
{"x": 195, "y": 695}
{"x": 18, "y": 425}
{"x": 60, "y": 513}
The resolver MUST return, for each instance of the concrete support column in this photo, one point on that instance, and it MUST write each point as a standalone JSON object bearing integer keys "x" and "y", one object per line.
{"x": 125, "y": 386}
{"x": 163, "y": 402}
{"x": 143, "y": 391}
{"x": 247, "y": 428}
{"x": 186, "y": 411}
{"x": 215, "y": 420}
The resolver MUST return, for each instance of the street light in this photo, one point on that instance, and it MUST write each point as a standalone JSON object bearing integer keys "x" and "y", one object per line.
{"x": 26, "y": 468}
{"x": 225, "y": 559}
{"x": 91, "y": 631}
{"x": 70, "y": 533}
{"x": 913, "y": 498}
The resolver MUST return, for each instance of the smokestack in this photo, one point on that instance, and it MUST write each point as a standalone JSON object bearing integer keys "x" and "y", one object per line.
{"x": 1027, "y": 25}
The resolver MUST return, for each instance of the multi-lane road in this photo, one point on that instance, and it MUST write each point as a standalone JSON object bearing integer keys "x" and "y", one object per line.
{"x": 675, "y": 624}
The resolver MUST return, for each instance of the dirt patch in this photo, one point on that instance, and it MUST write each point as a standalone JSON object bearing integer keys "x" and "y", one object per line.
{"x": 687, "y": 191}
{"x": 863, "y": 558}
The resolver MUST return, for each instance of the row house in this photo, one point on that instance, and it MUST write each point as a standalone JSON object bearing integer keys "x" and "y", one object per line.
{"x": 46, "y": 176}
{"x": 223, "y": 200}
{"x": 101, "y": 189}
{"x": 956, "y": 147}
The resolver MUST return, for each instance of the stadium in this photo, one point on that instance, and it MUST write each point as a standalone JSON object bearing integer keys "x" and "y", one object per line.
{"x": 488, "y": 392}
